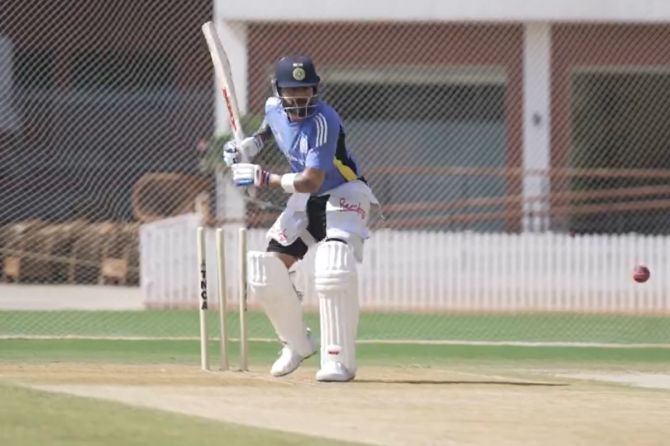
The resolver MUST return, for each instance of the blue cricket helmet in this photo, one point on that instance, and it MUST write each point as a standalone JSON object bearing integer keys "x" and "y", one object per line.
{"x": 296, "y": 71}
{"x": 291, "y": 72}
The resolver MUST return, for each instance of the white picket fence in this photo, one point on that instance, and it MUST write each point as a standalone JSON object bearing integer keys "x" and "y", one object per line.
{"x": 440, "y": 271}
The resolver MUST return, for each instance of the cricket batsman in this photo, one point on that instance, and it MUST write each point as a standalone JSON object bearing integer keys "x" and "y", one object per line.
{"x": 328, "y": 211}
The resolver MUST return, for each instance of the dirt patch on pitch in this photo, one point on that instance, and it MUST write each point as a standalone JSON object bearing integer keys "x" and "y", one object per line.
{"x": 384, "y": 406}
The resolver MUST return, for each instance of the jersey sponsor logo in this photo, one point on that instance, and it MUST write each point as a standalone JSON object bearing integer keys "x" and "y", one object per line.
{"x": 345, "y": 206}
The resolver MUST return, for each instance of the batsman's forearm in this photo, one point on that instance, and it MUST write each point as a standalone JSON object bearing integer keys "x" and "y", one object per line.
{"x": 299, "y": 182}
{"x": 303, "y": 183}
{"x": 275, "y": 180}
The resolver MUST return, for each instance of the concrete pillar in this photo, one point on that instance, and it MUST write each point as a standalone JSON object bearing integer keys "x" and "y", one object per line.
{"x": 536, "y": 124}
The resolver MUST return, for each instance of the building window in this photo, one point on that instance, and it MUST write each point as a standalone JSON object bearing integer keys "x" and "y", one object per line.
{"x": 422, "y": 120}
{"x": 619, "y": 123}
{"x": 123, "y": 71}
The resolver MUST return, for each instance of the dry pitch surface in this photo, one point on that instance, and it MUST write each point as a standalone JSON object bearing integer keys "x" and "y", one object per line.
{"x": 401, "y": 406}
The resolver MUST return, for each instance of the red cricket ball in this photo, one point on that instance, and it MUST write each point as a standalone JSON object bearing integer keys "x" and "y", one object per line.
{"x": 641, "y": 273}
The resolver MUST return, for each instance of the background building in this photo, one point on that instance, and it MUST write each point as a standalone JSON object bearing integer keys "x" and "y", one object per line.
{"x": 99, "y": 94}
{"x": 518, "y": 118}
{"x": 524, "y": 87}
{"x": 520, "y": 149}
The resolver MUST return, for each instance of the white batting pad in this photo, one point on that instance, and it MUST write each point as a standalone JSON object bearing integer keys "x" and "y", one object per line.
{"x": 269, "y": 282}
{"x": 336, "y": 284}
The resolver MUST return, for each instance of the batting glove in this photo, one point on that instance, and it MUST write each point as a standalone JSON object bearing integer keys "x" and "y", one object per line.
{"x": 231, "y": 154}
{"x": 245, "y": 174}
{"x": 235, "y": 152}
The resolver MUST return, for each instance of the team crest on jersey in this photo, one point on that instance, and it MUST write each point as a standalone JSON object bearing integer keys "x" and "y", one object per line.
{"x": 298, "y": 73}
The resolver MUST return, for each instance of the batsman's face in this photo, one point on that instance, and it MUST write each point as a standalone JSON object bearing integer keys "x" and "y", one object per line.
{"x": 297, "y": 101}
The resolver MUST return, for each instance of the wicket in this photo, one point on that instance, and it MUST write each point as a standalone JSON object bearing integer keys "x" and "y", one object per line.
{"x": 204, "y": 302}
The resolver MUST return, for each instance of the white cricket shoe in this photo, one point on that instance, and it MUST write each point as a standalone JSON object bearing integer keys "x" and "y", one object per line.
{"x": 334, "y": 371}
{"x": 289, "y": 360}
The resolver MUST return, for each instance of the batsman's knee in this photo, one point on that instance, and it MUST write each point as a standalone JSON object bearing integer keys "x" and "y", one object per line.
{"x": 334, "y": 266}
{"x": 354, "y": 241}
{"x": 267, "y": 273}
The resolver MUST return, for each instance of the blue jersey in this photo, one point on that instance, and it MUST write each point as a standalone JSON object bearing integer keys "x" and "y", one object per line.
{"x": 315, "y": 142}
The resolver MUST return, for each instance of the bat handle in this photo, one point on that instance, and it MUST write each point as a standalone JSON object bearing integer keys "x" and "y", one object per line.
{"x": 251, "y": 192}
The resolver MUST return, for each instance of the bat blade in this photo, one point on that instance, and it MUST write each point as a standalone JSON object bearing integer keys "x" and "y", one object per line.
{"x": 224, "y": 76}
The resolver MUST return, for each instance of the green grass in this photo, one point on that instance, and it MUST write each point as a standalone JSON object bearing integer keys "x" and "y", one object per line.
{"x": 373, "y": 326}
{"x": 29, "y": 417}
{"x": 263, "y": 353}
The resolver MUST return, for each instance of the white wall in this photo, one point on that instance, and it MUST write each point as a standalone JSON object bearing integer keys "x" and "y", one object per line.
{"x": 448, "y": 10}
{"x": 536, "y": 122}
